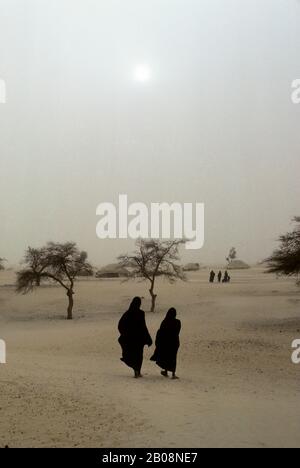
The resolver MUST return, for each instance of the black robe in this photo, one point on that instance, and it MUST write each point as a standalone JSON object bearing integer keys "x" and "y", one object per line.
{"x": 134, "y": 336}
{"x": 167, "y": 345}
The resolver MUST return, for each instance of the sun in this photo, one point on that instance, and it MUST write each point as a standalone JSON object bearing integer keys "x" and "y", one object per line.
{"x": 142, "y": 73}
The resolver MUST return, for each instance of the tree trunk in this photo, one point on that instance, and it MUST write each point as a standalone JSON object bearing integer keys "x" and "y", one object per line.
{"x": 70, "y": 295}
{"x": 153, "y": 298}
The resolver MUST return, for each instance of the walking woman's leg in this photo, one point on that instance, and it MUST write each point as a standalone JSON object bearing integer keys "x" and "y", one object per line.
{"x": 140, "y": 358}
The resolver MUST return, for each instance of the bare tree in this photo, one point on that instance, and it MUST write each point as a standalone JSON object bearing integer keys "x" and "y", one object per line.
{"x": 154, "y": 258}
{"x": 286, "y": 259}
{"x": 232, "y": 255}
{"x": 60, "y": 263}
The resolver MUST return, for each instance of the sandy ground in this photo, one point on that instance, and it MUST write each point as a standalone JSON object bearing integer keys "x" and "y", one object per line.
{"x": 64, "y": 384}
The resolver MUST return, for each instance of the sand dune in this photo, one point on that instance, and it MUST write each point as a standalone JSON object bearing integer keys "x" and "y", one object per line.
{"x": 64, "y": 384}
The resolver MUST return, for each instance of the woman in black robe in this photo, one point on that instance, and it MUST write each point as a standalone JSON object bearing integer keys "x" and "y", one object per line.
{"x": 134, "y": 336}
{"x": 167, "y": 344}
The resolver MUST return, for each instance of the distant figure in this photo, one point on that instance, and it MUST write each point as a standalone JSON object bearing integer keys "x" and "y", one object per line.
{"x": 226, "y": 277}
{"x": 134, "y": 336}
{"x": 220, "y": 276}
{"x": 212, "y": 277}
{"x": 167, "y": 344}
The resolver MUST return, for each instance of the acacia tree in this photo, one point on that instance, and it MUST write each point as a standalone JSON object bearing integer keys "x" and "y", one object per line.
{"x": 286, "y": 259}
{"x": 154, "y": 258}
{"x": 60, "y": 263}
{"x": 232, "y": 255}
{"x": 2, "y": 260}
{"x": 35, "y": 261}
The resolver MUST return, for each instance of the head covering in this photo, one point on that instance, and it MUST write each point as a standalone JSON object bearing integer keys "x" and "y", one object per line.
{"x": 172, "y": 313}
{"x": 135, "y": 304}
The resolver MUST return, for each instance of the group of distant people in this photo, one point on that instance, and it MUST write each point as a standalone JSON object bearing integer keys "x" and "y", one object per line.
{"x": 221, "y": 279}
{"x": 134, "y": 336}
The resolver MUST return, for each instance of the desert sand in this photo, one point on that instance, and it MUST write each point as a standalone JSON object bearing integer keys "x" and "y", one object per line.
{"x": 65, "y": 386}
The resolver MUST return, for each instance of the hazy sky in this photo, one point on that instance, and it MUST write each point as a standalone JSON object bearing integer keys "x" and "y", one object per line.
{"x": 214, "y": 124}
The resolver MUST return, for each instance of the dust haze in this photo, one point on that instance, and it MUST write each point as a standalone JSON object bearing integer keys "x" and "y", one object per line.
{"x": 213, "y": 123}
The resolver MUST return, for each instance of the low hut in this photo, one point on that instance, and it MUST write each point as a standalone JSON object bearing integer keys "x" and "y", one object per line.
{"x": 238, "y": 265}
{"x": 112, "y": 271}
{"x": 192, "y": 267}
